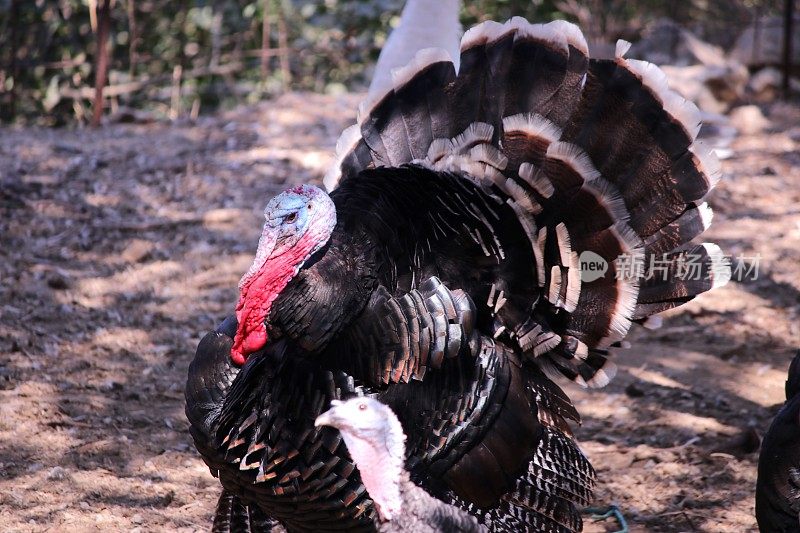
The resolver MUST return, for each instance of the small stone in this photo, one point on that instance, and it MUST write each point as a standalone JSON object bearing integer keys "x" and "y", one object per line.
{"x": 749, "y": 119}
{"x": 137, "y": 518}
{"x": 111, "y": 385}
{"x": 57, "y": 281}
{"x": 65, "y": 148}
{"x": 137, "y": 251}
{"x": 633, "y": 391}
{"x": 57, "y": 474}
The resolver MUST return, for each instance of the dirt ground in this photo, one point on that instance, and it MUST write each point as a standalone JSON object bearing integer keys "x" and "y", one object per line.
{"x": 120, "y": 247}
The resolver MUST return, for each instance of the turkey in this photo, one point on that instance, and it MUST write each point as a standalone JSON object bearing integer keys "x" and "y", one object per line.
{"x": 376, "y": 442}
{"x": 778, "y": 485}
{"x": 442, "y": 275}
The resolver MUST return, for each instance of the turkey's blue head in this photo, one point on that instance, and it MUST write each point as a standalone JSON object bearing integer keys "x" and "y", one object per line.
{"x": 298, "y": 223}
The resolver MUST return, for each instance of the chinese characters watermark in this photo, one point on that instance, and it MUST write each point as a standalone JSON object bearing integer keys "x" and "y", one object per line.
{"x": 684, "y": 266}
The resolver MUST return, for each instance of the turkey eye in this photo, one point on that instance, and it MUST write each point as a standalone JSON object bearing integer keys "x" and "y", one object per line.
{"x": 291, "y": 217}
{"x": 362, "y": 407}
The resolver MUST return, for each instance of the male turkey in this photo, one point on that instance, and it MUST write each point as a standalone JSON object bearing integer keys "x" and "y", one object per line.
{"x": 442, "y": 275}
{"x": 778, "y": 485}
{"x": 376, "y": 442}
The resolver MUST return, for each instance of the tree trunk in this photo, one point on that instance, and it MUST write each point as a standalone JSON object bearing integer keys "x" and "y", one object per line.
{"x": 265, "y": 36}
{"x": 283, "y": 43}
{"x": 101, "y": 62}
{"x": 175, "y": 96}
{"x": 132, "y": 38}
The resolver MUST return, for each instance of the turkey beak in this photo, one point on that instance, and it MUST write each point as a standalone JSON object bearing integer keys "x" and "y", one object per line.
{"x": 329, "y": 417}
{"x": 266, "y": 245}
{"x": 325, "y": 419}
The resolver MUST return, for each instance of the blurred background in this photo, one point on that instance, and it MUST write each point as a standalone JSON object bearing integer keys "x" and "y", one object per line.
{"x": 183, "y": 57}
{"x": 121, "y": 244}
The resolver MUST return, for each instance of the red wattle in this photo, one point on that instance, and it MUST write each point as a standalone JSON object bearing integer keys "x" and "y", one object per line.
{"x": 257, "y": 295}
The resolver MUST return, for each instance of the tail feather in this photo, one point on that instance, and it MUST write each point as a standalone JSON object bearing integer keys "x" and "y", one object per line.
{"x": 575, "y": 77}
{"x": 681, "y": 275}
{"x": 600, "y": 148}
{"x": 526, "y": 138}
{"x": 424, "y": 79}
{"x": 640, "y": 135}
{"x": 688, "y": 225}
{"x": 538, "y": 65}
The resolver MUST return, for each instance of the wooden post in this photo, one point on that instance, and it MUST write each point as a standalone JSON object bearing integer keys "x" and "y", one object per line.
{"x": 283, "y": 43}
{"x": 195, "y": 112}
{"x": 175, "y": 98}
{"x": 101, "y": 61}
{"x": 133, "y": 36}
{"x": 788, "y": 33}
{"x": 265, "y": 36}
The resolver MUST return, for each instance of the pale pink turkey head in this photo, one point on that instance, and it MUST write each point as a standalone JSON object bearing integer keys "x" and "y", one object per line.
{"x": 299, "y": 222}
{"x": 376, "y": 442}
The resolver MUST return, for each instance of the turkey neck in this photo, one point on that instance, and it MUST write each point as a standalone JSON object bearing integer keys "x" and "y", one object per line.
{"x": 326, "y": 295}
{"x": 379, "y": 459}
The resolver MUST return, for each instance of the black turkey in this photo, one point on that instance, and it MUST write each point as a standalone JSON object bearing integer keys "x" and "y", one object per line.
{"x": 376, "y": 442}
{"x": 778, "y": 486}
{"x": 443, "y": 276}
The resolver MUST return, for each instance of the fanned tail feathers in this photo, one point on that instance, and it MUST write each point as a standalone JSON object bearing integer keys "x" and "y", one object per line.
{"x": 592, "y": 155}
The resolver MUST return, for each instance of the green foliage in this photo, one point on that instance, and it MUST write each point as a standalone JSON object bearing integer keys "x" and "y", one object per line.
{"x": 48, "y": 47}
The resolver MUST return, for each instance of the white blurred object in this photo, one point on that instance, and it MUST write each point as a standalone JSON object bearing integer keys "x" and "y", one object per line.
{"x": 766, "y": 85}
{"x": 749, "y": 120}
{"x": 423, "y": 24}
{"x": 718, "y": 133}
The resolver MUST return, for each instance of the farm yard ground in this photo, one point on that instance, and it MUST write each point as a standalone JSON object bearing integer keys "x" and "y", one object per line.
{"x": 119, "y": 247}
